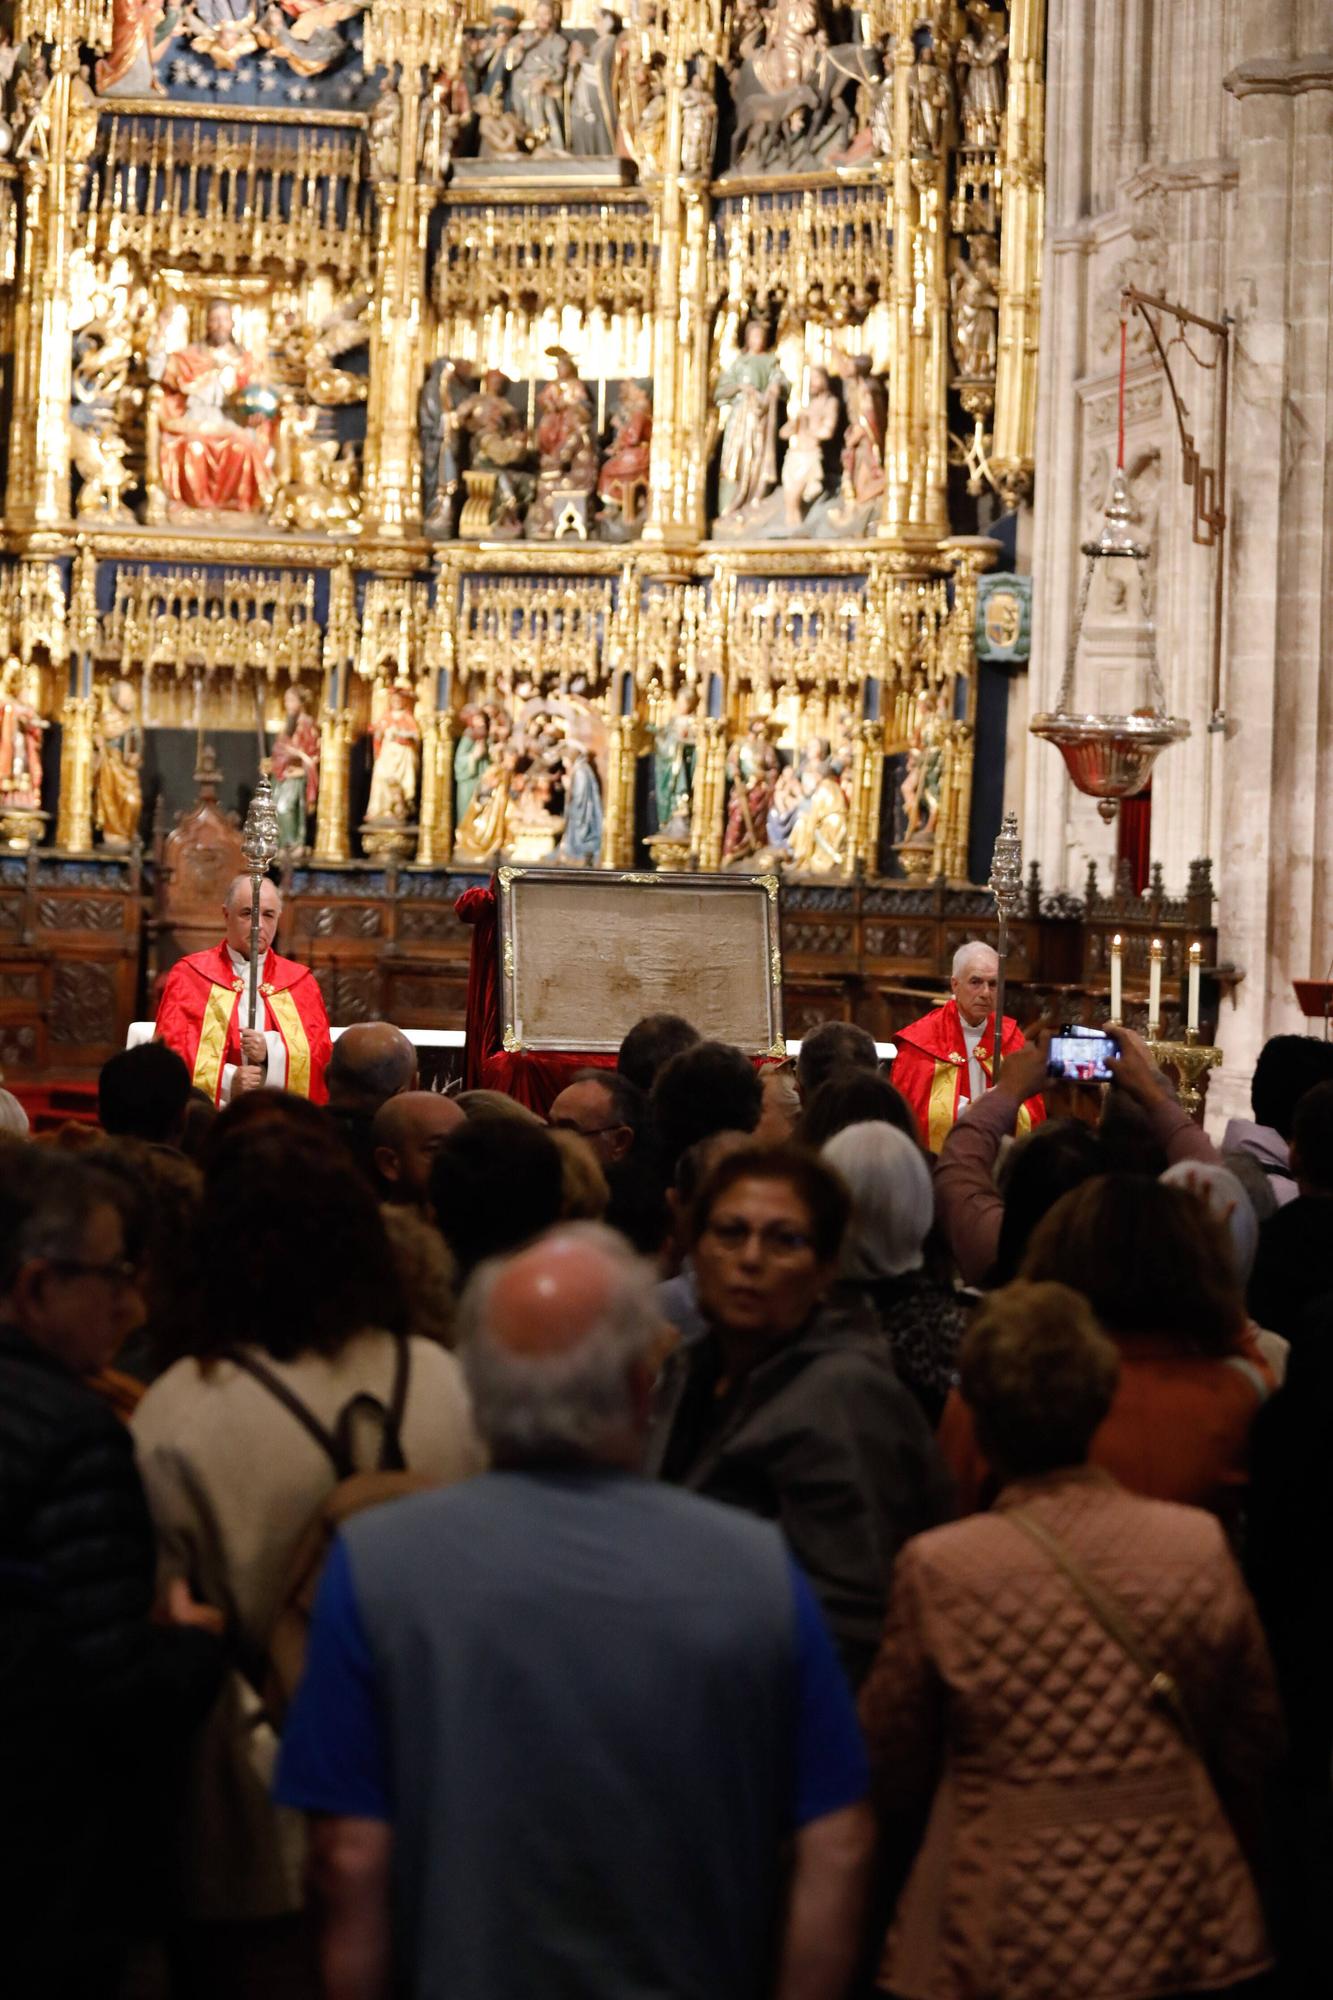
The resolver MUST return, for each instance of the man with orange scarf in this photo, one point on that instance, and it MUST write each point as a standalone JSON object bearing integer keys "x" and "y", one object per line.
{"x": 945, "y": 1060}
{"x": 204, "y": 1011}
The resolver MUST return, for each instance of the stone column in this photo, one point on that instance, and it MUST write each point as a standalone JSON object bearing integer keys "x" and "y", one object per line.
{"x": 1276, "y": 889}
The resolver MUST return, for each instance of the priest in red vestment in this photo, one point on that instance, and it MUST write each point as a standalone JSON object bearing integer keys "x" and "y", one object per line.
{"x": 944, "y": 1060}
{"x": 204, "y": 1011}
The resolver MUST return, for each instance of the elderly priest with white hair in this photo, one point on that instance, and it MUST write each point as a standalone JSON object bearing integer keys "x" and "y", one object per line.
{"x": 204, "y": 1011}
{"x": 944, "y": 1060}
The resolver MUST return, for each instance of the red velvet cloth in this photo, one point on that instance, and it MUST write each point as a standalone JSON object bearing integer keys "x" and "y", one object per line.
{"x": 1134, "y": 837}
{"x": 482, "y": 1020}
{"x": 537, "y": 1079}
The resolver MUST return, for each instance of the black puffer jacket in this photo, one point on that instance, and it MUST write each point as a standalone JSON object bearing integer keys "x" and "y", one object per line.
{"x": 93, "y": 1698}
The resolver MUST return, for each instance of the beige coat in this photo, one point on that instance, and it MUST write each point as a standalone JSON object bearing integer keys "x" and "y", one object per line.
{"x": 1075, "y": 1847}
{"x": 233, "y": 1481}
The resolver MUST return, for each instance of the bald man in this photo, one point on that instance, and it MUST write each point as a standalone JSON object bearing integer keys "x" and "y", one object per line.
{"x": 204, "y": 1012}
{"x": 403, "y": 1139}
{"x": 945, "y": 1060}
{"x": 608, "y": 1709}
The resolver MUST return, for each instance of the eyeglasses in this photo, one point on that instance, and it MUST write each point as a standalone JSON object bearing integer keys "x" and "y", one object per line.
{"x": 775, "y": 1239}
{"x": 584, "y": 1131}
{"x": 116, "y": 1271}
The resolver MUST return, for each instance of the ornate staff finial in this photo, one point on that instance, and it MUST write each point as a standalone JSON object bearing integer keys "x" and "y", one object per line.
{"x": 1006, "y": 885}
{"x": 259, "y": 845}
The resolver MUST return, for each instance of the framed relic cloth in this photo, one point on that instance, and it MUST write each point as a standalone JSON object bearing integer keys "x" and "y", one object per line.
{"x": 585, "y": 954}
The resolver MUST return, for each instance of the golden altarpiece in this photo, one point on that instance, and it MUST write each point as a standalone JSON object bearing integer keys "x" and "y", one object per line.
{"x": 544, "y": 433}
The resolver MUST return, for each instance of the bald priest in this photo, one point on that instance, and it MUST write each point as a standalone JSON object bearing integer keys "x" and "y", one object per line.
{"x": 944, "y": 1060}
{"x": 204, "y": 1012}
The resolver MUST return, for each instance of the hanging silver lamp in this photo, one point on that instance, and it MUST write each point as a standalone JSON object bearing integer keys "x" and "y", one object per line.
{"x": 1109, "y": 757}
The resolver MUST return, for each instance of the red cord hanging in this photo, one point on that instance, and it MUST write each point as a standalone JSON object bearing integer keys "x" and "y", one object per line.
{"x": 1120, "y": 410}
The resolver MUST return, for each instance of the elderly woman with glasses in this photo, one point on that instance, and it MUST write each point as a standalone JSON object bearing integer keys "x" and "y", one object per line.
{"x": 791, "y": 1408}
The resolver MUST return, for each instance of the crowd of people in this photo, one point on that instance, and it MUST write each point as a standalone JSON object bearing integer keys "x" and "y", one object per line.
{"x": 700, "y": 1543}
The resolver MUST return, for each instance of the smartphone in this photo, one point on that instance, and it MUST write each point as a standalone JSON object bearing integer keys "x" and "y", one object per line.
{"x": 1081, "y": 1055}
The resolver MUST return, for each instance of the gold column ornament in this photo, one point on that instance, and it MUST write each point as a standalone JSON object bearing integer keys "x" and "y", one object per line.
{"x": 898, "y": 439}
{"x": 52, "y": 151}
{"x": 1013, "y": 446}
{"x": 436, "y": 836}
{"x": 867, "y": 796}
{"x": 664, "y": 525}
{"x": 74, "y": 820}
{"x": 331, "y": 837}
{"x": 419, "y": 37}
{"x": 711, "y": 791}
{"x": 332, "y": 840}
{"x": 622, "y": 758}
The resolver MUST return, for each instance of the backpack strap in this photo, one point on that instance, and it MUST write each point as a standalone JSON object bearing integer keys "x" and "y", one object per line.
{"x": 389, "y": 1419}
{"x": 335, "y": 1448}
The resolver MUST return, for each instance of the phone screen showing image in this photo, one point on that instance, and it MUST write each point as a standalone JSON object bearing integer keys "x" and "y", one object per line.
{"x": 1079, "y": 1056}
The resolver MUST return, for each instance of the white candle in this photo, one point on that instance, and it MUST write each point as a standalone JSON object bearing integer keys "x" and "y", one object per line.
{"x": 1117, "y": 971}
{"x": 1196, "y": 958}
{"x": 1155, "y": 986}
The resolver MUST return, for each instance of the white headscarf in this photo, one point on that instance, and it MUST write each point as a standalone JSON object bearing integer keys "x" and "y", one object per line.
{"x": 893, "y": 1203}
{"x": 1226, "y": 1201}
{"x": 13, "y": 1118}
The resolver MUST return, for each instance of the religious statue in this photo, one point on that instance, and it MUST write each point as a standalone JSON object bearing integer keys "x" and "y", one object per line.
{"x": 472, "y": 757}
{"x": 21, "y": 731}
{"x": 305, "y": 34}
{"x": 317, "y": 490}
{"x": 698, "y": 127}
{"x": 623, "y": 480}
{"x": 384, "y": 130}
{"x": 819, "y": 837}
{"x": 581, "y": 843}
{"x": 922, "y": 785}
{"x": 439, "y": 428}
{"x": 750, "y": 391}
{"x": 222, "y": 30}
{"x": 975, "y": 299}
{"x": 485, "y": 68}
{"x": 930, "y": 100}
{"x": 118, "y": 750}
{"x": 295, "y": 763}
{"x": 537, "y": 61}
{"x": 210, "y": 458}
{"x": 981, "y": 52}
{"x": 498, "y": 486}
{"x": 797, "y": 95}
{"x": 789, "y": 802}
{"x": 643, "y": 112}
{"x": 481, "y": 826}
{"x": 566, "y": 449}
{"x": 141, "y": 33}
{"x": 98, "y": 453}
{"x": 866, "y": 406}
{"x": 594, "y": 90}
{"x": 752, "y": 773}
{"x": 807, "y": 431}
{"x": 444, "y": 107}
{"x": 397, "y": 741}
{"x": 674, "y": 756}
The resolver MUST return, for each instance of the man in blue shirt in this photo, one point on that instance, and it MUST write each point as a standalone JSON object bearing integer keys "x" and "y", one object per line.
{"x": 564, "y": 1730}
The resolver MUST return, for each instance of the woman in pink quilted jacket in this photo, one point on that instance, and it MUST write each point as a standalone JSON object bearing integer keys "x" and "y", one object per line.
{"x": 1076, "y": 1687}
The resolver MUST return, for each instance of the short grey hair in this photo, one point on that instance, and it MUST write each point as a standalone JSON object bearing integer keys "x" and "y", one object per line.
{"x": 565, "y": 1405}
{"x": 248, "y": 880}
{"x": 969, "y": 950}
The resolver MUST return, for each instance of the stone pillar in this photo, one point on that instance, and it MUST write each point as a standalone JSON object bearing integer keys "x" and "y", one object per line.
{"x": 1275, "y": 885}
